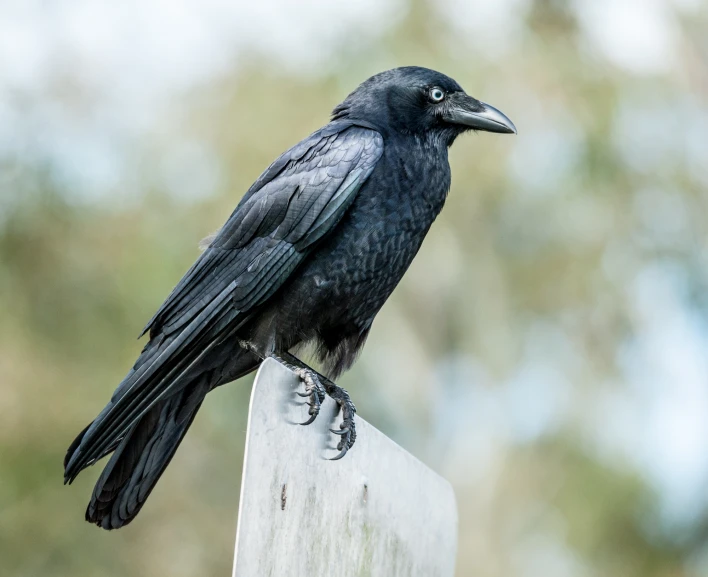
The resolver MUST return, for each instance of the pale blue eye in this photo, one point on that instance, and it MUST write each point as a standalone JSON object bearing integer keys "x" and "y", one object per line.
{"x": 436, "y": 94}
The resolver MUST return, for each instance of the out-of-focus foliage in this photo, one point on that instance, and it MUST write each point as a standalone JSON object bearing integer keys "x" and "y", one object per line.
{"x": 515, "y": 357}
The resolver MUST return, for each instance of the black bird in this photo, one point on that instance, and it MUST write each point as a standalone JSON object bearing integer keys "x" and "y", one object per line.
{"x": 309, "y": 256}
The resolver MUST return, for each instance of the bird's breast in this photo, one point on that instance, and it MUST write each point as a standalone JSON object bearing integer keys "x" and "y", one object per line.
{"x": 357, "y": 267}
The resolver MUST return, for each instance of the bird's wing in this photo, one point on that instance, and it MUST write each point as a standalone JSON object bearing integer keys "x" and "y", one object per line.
{"x": 296, "y": 201}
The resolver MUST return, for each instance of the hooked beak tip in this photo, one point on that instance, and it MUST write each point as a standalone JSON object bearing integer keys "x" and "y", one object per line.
{"x": 481, "y": 116}
{"x": 494, "y": 120}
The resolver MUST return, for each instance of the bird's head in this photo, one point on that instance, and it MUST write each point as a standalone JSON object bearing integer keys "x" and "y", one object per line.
{"x": 420, "y": 101}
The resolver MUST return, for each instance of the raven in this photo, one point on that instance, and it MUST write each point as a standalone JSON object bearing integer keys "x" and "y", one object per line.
{"x": 309, "y": 256}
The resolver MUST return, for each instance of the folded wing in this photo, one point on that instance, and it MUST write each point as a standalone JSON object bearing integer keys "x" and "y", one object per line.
{"x": 295, "y": 203}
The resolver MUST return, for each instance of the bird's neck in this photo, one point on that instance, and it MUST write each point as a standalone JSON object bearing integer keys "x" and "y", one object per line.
{"x": 420, "y": 165}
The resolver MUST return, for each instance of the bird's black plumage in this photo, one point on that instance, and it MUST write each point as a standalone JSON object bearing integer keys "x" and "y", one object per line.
{"x": 310, "y": 254}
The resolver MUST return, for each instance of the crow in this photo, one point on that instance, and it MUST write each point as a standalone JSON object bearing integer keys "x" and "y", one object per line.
{"x": 309, "y": 256}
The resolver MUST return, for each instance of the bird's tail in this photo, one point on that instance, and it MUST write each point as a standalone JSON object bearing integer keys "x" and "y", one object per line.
{"x": 142, "y": 453}
{"x": 141, "y": 456}
{"x": 152, "y": 408}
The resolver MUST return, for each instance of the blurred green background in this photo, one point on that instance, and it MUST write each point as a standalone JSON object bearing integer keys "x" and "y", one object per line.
{"x": 546, "y": 352}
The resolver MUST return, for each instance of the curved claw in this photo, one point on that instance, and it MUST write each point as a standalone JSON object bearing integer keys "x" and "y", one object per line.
{"x": 340, "y": 431}
{"x": 310, "y": 420}
{"x": 344, "y": 452}
{"x": 302, "y": 394}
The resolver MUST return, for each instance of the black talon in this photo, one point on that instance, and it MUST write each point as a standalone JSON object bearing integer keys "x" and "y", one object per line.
{"x": 310, "y": 420}
{"x": 340, "y": 431}
{"x": 303, "y": 394}
{"x": 313, "y": 412}
{"x": 344, "y": 452}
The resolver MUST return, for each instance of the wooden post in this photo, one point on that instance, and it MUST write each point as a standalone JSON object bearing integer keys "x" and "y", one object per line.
{"x": 377, "y": 512}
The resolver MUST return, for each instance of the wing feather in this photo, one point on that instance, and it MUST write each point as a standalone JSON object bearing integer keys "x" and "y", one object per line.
{"x": 296, "y": 206}
{"x": 292, "y": 205}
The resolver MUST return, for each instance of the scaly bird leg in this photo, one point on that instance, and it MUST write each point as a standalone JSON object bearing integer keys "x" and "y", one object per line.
{"x": 316, "y": 385}
{"x": 347, "y": 429}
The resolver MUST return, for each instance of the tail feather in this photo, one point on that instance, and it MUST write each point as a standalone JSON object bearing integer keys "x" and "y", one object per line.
{"x": 145, "y": 448}
{"x": 75, "y": 445}
{"x": 141, "y": 457}
{"x": 160, "y": 372}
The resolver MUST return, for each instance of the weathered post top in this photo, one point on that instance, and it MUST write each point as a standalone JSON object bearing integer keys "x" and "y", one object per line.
{"x": 377, "y": 512}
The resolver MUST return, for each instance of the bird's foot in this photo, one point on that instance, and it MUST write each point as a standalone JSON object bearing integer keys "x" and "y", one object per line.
{"x": 347, "y": 430}
{"x": 316, "y": 385}
{"x": 314, "y": 390}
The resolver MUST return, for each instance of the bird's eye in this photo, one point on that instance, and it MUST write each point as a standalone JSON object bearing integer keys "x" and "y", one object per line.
{"x": 437, "y": 94}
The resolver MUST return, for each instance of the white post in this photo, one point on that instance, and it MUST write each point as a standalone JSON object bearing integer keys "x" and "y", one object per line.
{"x": 377, "y": 512}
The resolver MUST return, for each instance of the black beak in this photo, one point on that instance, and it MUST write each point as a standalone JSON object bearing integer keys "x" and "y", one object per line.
{"x": 475, "y": 114}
